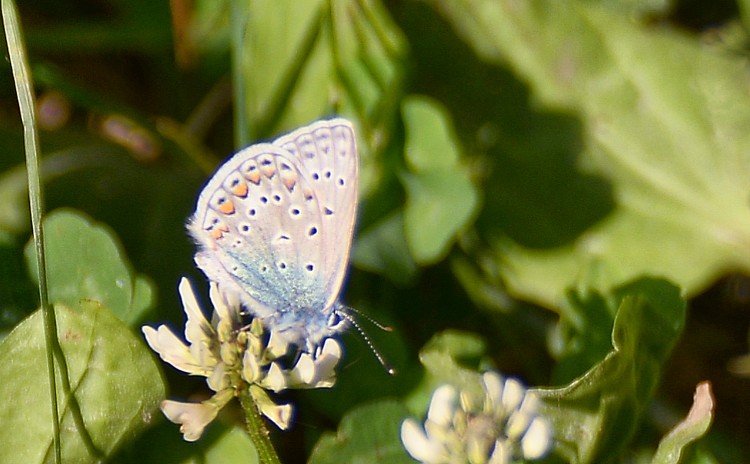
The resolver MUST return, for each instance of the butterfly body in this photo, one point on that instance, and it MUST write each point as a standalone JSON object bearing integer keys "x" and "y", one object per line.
{"x": 274, "y": 226}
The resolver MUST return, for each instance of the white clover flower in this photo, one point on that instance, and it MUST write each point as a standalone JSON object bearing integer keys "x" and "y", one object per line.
{"x": 495, "y": 428}
{"x": 234, "y": 357}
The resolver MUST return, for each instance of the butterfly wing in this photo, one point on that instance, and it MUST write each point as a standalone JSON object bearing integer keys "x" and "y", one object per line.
{"x": 259, "y": 227}
{"x": 327, "y": 151}
{"x": 274, "y": 225}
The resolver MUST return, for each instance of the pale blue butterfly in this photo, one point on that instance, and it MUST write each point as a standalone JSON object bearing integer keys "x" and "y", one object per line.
{"x": 274, "y": 225}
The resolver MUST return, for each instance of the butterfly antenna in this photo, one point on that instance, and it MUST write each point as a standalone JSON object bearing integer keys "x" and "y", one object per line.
{"x": 388, "y": 368}
{"x": 371, "y": 320}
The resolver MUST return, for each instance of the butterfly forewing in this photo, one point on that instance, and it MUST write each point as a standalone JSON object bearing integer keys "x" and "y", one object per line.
{"x": 260, "y": 226}
{"x": 328, "y": 154}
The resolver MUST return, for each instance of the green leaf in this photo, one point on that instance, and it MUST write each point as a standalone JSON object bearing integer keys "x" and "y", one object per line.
{"x": 663, "y": 118}
{"x": 441, "y": 199}
{"x": 595, "y": 415}
{"x": 85, "y": 261}
{"x": 430, "y": 137}
{"x": 452, "y": 357}
{"x": 234, "y": 446}
{"x": 381, "y": 248}
{"x": 583, "y": 336}
{"x": 695, "y": 425}
{"x": 304, "y": 60}
{"x": 367, "y": 434}
{"x": 115, "y": 381}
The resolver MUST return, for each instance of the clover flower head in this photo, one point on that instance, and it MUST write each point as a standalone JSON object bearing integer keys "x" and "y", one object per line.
{"x": 496, "y": 427}
{"x": 234, "y": 356}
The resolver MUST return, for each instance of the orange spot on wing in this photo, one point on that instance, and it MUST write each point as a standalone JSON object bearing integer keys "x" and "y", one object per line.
{"x": 289, "y": 179}
{"x": 253, "y": 176}
{"x": 268, "y": 170}
{"x": 240, "y": 190}
{"x": 227, "y": 207}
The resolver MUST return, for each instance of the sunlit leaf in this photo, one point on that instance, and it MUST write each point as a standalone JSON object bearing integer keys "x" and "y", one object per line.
{"x": 664, "y": 120}
{"x": 441, "y": 198}
{"x": 115, "y": 381}
{"x": 597, "y": 414}
{"x": 85, "y": 262}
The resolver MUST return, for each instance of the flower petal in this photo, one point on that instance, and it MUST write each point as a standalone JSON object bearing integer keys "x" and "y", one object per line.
{"x": 227, "y": 309}
{"x": 442, "y": 405}
{"x": 275, "y": 379}
{"x": 219, "y": 378}
{"x": 418, "y": 444}
{"x": 493, "y": 386}
{"x": 513, "y": 394}
{"x": 192, "y": 417}
{"x": 520, "y": 420}
{"x": 501, "y": 454}
{"x": 173, "y": 351}
{"x": 250, "y": 367}
{"x": 197, "y": 328}
{"x": 277, "y": 346}
{"x": 304, "y": 371}
{"x": 281, "y": 415}
{"x": 538, "y": 439}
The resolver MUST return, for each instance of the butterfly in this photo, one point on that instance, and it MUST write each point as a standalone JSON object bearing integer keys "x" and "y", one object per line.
{"x": 274, "y": 226}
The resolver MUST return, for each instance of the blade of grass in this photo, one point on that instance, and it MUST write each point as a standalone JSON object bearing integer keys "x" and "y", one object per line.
{"x": 239, "y": 23}
{"x": 22, "y": 79}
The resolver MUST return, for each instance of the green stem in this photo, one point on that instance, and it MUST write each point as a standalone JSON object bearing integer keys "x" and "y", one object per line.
{"x": 22, "y": 78}
{"x": 257, "y": 430}
{"x": 239, "y": 26}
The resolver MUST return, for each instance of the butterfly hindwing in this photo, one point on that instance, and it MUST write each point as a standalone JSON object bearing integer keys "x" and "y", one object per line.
{"x": 328, "y": 153}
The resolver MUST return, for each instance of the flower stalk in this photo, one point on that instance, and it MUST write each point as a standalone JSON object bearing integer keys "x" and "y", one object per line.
{"x": 257, "y": 430}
